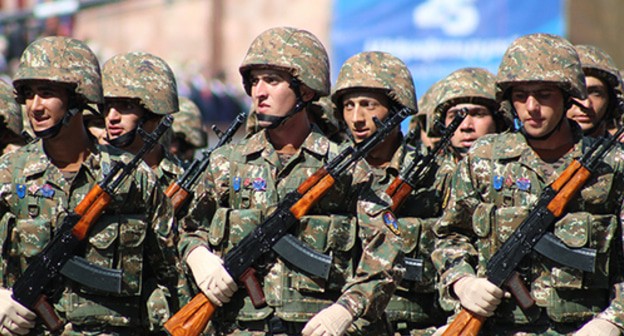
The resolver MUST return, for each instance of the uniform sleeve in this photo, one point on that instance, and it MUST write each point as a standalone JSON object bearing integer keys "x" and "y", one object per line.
{"x": 379, "y": 269}
{"x": 454, "y": 255}
{"x": 212, "y": 191}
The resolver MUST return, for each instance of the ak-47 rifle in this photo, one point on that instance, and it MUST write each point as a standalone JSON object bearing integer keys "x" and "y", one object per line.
{"x": 30, "y": 288}
{"x": 239, "y": 262}
{"x": 501, "y": 268}
{"x": 410, "y": 179}
{"x": 180, "y": 190}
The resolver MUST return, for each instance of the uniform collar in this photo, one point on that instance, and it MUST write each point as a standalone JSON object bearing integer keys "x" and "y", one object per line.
{"x": 315, "y": 143}
{"x": 38, "y": 162}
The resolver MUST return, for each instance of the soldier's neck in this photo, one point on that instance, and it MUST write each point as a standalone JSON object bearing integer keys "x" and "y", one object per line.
{"x": 292, "y": 133}
{"x": 381, "y": 155}
{"x": 555, "y": 146}
{"x": 154, "y": 156}
{"x": 69, "y": 149}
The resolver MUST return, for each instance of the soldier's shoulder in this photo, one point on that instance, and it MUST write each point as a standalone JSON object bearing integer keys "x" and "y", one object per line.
{"x": 484, "y": 147}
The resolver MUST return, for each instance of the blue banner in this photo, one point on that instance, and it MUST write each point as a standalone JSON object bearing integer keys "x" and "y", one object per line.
{"x": 437, "y": 37}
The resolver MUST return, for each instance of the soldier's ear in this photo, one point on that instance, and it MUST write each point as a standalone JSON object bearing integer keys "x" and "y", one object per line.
{"x": 307, "y": 94}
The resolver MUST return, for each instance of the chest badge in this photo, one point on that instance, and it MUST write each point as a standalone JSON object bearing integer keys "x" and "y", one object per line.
{"x": 20, "y": 189}
{"x": 523, "y": 183}
{"x": 498, "y": 183}
{"x": 391, "y": 222}
{"x": 47, "y": 191}
{"x": 259, "y": 184}
{"x": 509, "y": 182}
{"x": 236, "y": 183}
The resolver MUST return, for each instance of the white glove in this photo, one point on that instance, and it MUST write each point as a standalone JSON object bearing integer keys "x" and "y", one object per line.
{"x": 478, "y": 295}
{"x": 598, "y": 327}
{"x": 331, "y": 321}
{"x": 15, "y": 319}
{"x": 210, "y": 275}
{"x": 440, "y": 330}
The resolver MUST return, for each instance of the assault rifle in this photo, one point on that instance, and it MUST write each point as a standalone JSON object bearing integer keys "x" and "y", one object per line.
{"x": 239, "y": 262}
{"x": 500, "y": 269}
{"x": 180, "y": 190}
{"x": 411, "y": 177}
{"x": 30, "y": 288}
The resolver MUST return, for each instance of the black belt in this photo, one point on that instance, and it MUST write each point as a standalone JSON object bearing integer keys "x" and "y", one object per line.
{"x": 273, "y": 326}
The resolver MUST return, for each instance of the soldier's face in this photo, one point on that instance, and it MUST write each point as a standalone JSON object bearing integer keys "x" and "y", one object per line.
{"x": 478, "y": 122}
{"x": 122, "y": 116}
{"x": 540, "y": 106}
{"x": 271, "y": 93}
{"x": 358, "y": 110}
{"x": 593, "y": 109}
{"x": 46, "y": 104}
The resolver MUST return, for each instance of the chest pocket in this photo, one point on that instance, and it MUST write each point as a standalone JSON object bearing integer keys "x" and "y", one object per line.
{"x": 229, "y": 226}
{"x": 116, "y": 241}
{"x": 30, "y": 237}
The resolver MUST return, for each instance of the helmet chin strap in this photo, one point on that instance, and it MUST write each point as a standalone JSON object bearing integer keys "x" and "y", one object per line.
{"x": 53, "y": 131}
{"x": 125, "y": 140}
{"x": 278, "y": 121}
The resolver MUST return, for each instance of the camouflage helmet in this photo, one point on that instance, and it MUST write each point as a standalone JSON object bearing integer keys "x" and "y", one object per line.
{"x": 187, "y": 124}
{"x": 144, "y": 76}
{"x": 467, "y": 85}
{"x": 596, "y": 62}
{"x": 541, "y": 58}
{"x": 293, "y": 50}
{"x": 378, "y": 71}
{"x": 10, "y": 110}
{"x": 63, "y": 60}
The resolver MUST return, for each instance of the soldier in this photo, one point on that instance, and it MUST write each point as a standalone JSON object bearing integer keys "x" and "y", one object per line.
{"x": 12, "y": 125}
{"x": 498, "y": 183}
{"x": 598, "y": 112}
{"x": 372, "y": 84}
{"x": 139, "y": 90}
{"x": 188, "y": 133}
{"x": 95, "y": 124}
{"x": 284, "y": 70}
{"x": 42, "y": 182}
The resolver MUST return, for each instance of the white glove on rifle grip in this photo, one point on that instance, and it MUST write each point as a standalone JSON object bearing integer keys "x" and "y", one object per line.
{"x": 210, "y": 275}
{"x": 333, "y": 321}
{"x": 14, "y": 318}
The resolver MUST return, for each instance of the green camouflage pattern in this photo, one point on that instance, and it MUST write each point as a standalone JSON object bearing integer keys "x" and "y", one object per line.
{"x": 427, "y": 105}
{"x": 135, "y": 234}
{"x": 542, "y": 58}
{"x": 464, "y": 86}
{"x": 415, "y": 302}
{"x": 169, "y": 169}
{"x": 64, "y": 60}
{"x": 294, "y": 50}
{"x": 596, "y": 62}
{"x": 143, "y": 76}
{"x": 376, "y": 70}
{"x": 245, "y": 181}
{"x": 10, "y": 110}
{"x": 187, "y": 124}
{"x": 493, "y": 190}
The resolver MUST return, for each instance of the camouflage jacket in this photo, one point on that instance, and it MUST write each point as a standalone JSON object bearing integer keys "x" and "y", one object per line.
{"x": 415, "y": 301}
{"x": 244, "y": 183}
{"x": 494, "y": 188}
{"x": 169, "y": 169}
{"x": 133, "y": 234}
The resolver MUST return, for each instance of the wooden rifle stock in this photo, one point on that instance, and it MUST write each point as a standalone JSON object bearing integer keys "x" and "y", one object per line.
{"x": 398, "y": 191}
{"x": 192, "y": 319}
{"x": 177, "y": 195}
{"x": 313, "y": 195}
{"x": 90, "y": 209}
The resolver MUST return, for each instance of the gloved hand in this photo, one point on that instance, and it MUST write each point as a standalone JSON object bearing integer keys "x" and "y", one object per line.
{"x": 440, "y": 330}
{"x": 15, "y": 319}
{"x": 598, "y": 327}
{"x": 478, "y": 295}
{"x": 210, "y": 275}
{"x": 331, "y": 321}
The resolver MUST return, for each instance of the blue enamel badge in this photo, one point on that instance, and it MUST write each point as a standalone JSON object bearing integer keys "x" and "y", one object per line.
{"x": 498, "y": 182}
{"x": 21, "y": 190}
{"x": 47, "y": 191}
{"x": 259, "y": 184}
{"x": 236, "y": 184}
{"x": 523, "y": 183}
{"x": 391, "y": 222}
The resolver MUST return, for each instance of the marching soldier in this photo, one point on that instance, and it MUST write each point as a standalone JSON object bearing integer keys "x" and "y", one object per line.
{"x": 188, "y": 133}
{"x": 12, "y": 124}
{"x": 499, "y": 182}
{"x": 284, "y": 71}
{"x": 42, "y": 182}
{"x": 372, "y": 84}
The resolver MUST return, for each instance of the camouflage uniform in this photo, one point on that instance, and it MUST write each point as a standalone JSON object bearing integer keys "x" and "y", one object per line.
{"x": 134, "y": 233}
{"x": 413, "y": 309}
{"x": 187, "y": 125}
{"x": 499, "y": 182}
{"x": 148, "y": 78}
{"x": 246, "y": 180}
{"x": 11, "y": 114}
